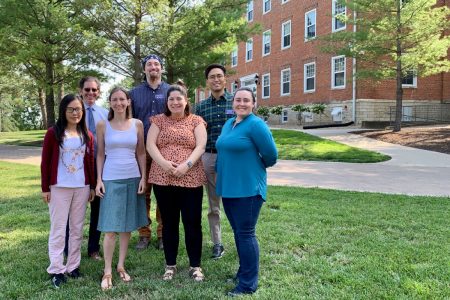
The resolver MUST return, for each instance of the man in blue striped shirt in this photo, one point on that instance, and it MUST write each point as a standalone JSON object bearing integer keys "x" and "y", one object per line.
{"x": 215, "y": 110}
{"x": 149, "y": 99}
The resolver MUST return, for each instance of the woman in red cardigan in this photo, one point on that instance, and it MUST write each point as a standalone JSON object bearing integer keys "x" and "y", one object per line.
{"x": 67, "y": 180}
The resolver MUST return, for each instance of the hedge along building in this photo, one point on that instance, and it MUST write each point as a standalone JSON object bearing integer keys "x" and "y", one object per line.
{"x": 284, "y": 66}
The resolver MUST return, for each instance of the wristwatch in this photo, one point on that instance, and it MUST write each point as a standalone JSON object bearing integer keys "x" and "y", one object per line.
{"x": 189, "y": 164}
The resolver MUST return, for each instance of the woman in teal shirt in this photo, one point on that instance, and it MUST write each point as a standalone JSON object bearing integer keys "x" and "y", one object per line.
{"x": 245, "y": 149}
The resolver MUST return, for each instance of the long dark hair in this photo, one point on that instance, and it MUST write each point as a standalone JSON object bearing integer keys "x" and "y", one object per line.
{"x": 61, "y": 123}
{"x": 128, "y": 112}
{"x": 179, "y": 86}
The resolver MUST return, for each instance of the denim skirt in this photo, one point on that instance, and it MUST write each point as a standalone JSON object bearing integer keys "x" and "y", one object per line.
{"x": 122, "y": 209}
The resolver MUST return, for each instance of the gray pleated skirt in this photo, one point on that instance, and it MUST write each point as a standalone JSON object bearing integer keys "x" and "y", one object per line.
{"x": 122, "y": 209}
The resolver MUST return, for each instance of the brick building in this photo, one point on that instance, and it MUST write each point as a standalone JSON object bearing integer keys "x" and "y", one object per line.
{"x": 284, "y": 67}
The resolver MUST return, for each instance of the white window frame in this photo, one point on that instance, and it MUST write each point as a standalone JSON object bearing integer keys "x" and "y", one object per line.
{"x": 305, "y": 77}
{"x": 414, "y": 84}
{"x": 314, "y": 24}
{"x": 333, "y": 19}
{"x": 284, "y": 116}
{"x": 282, "y": 82}
{"x": 264, "y": 6}
{"x": 247, "y": 49}
{"x": 334, "y": 72}
{"x": 233, "y": 87}
{"x": 250, "y": 11}
{"x": 283, "y": 34}
{"x": 234, "y": 53}
{"x": 269, "y": 34}
{"x": 264, "y": 76}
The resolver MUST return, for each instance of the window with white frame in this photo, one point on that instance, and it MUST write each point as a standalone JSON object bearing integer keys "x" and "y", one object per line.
{"x": 266, "y": 86}
{"x": 410, "y": 79}
{"x": 249, "y": 50}
{"x": 338, "y": 72}
{"x": 284, "y": 116}
{"x": 233, "y": 87}
{"x": 267, "y": 6}
{"x": 285, "y": 82}
{"x": 266, "y": 42}
{"x": 286, "y": 35}
{"x": 309, "y": 77}
{"x": 250, "y": 10}
{"x": 310, "y": 24}
{"x": 234, "y": 57}
{"x": 338, "y": 10}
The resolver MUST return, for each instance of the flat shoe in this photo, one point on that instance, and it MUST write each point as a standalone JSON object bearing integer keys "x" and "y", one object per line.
{"x": 106, "y": 282}
{"x": 124, "y": 275}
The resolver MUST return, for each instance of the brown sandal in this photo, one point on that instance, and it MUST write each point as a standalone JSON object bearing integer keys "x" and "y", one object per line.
{"x": 123, "y": 275}
{"x": 106, "y": 282}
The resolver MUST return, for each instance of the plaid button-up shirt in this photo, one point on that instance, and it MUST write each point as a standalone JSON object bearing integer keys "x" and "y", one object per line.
{"x": 215, "y": 112}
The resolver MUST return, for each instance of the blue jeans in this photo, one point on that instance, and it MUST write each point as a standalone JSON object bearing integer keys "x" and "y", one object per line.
{"x": 243, "y": 213}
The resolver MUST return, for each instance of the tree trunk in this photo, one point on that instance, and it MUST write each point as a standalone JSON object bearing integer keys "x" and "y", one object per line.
{"x": 49, "y": 93}
{"x": 137, "y": 72}
{"x": 41, "y": 96}
{"x": 169, "y": 72}
{"x": 60, "y": 92}
{"x": 399, "y": 75}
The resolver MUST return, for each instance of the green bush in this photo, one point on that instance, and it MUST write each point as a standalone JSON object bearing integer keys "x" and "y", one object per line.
{"x": 277, "y": 110}
{"x": 318, "y": 108}
{"x": 300, "y": 108}
{"x": 263, "y": 111}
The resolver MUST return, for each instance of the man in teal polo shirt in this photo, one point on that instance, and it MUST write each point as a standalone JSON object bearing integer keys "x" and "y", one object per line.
{"x": 215, "y": 110}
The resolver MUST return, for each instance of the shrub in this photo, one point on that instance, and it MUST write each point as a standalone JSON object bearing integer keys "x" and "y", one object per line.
{"x": 318, "y": 108}
{"x": 263, "y": 111}
{"x": 277, "y": 110}
{"x": 300, "y": 108}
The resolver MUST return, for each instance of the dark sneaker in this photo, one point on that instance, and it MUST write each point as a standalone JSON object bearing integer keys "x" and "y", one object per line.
{"x": 143, "y": 243}
{"x": 75, "y": 273}
{"x": 236, "y": 293}
{"x": 57, "y": 280}
{"x": 217, "y": 251}
{"x": 160, "y": 245}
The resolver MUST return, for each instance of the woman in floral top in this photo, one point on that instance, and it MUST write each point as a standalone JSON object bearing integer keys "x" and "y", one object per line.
{"x": 67, "y": 180}
{"x": 176, "y": 141}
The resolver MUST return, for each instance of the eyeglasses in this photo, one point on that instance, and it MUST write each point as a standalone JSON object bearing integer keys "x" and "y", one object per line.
{"x": 218, "y": 76}
{"x": 87, "y": 90}
{"x": 71, "y": 110}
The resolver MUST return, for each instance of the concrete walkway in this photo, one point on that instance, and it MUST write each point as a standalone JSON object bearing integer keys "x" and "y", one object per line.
{"x": 410, "y": 171}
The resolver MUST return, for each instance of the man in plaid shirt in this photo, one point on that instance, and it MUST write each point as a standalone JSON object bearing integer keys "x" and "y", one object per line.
{"x": 215, "y": 110}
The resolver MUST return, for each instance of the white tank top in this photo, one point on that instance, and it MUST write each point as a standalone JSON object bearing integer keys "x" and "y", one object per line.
{"x": 120, "y": 150}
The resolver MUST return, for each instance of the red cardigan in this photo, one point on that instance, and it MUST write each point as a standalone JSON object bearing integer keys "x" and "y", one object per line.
{"x": 50, "y": 159}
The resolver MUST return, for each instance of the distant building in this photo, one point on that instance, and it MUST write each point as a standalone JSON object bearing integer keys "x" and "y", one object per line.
{"x": 284, "y": 67}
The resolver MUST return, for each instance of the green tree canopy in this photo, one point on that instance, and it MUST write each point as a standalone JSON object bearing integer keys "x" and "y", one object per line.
{"x": 392, "y": 38}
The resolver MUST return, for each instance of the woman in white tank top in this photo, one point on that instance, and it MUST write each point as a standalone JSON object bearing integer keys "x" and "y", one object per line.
{"x": 120, "y": 180}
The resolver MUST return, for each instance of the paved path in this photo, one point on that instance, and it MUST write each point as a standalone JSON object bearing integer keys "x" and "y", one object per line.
{"x": 410, "y": 171}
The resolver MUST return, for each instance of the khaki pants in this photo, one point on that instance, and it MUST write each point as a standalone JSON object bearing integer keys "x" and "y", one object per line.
{"x": 209, "y": 163}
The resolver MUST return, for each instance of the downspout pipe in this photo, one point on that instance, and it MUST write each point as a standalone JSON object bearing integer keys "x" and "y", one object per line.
{"x": 354, "y": 75}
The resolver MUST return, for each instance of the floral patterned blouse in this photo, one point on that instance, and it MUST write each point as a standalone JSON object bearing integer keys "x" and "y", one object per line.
{"x": 176, "y": 141}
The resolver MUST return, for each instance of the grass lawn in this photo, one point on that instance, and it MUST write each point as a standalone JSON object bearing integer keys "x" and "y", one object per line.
{"x": 292, "y": 145}
{"x": 23, "y": 138}
{"x": 296, "y": 145}
{"x": 315, "y": 244}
